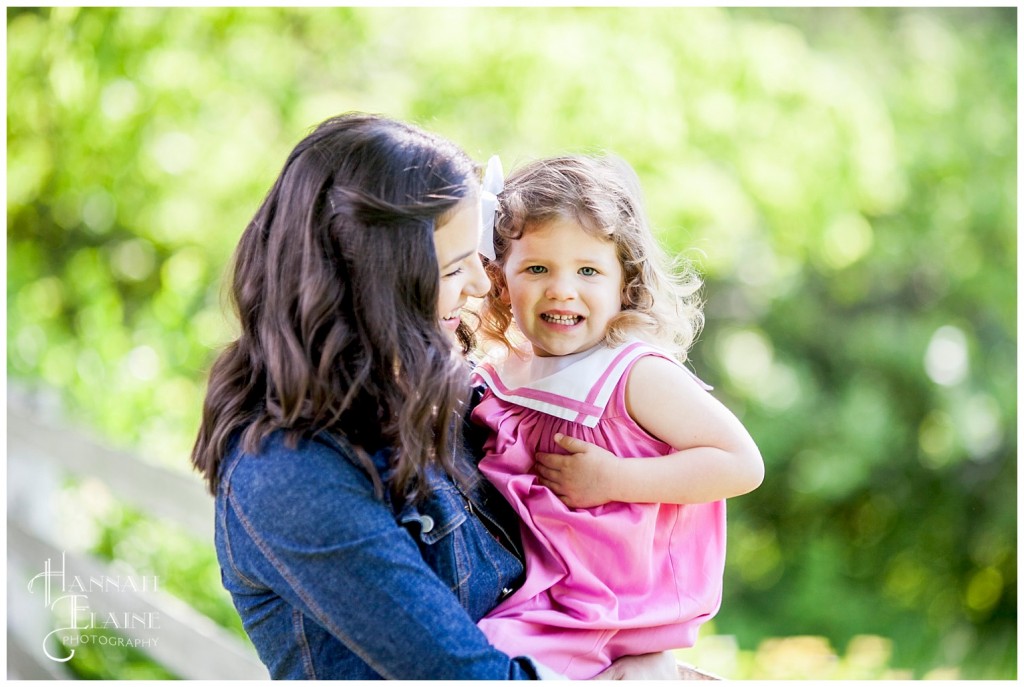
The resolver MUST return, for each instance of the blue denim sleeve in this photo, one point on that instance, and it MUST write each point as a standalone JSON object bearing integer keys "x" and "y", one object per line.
{"x": 322, "y": 541}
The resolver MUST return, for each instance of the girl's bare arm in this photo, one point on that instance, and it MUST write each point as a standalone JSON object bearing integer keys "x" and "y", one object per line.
{"x": 715, "y": 456}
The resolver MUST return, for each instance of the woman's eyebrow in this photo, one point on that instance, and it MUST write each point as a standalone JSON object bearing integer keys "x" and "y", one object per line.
{"x": 458, "y": 259}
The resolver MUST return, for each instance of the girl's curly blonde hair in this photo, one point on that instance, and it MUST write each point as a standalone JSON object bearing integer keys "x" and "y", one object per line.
{"x": 601, "y": 193}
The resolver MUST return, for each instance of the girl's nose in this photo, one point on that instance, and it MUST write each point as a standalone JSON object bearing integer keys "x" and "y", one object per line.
{"x": 560, "y": 289}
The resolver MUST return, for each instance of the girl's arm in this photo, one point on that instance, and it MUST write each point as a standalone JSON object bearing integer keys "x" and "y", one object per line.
{"x": 715, "y": 458}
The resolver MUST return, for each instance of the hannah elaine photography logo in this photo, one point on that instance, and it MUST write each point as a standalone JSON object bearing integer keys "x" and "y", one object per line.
{"x": 67, "y": 597}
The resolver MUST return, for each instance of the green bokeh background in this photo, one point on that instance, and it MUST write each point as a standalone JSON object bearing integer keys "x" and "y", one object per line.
{"x": 844, "y": 178}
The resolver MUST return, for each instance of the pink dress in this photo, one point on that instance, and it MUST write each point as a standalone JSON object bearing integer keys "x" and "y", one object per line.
{"x": 604, "y": 582}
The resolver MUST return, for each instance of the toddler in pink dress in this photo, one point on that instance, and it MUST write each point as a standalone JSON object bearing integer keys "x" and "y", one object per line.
{"x": 613, "y": 454}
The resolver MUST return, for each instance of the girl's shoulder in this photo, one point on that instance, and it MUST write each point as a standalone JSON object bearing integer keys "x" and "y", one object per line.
{"x": 637, "y": 361}
{"x": 660, "y": 384}
{"x": 654, "y": 364}
{"x": 651, "y": 375}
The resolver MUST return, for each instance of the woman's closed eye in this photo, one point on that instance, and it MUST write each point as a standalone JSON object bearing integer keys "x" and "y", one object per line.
{"x": 455, "y": 272}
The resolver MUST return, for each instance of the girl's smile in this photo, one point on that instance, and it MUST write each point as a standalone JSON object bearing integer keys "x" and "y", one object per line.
{"x": 561, "y": 319}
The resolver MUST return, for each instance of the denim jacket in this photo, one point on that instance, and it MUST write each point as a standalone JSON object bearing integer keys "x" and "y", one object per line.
{"x": 332, "y": 582}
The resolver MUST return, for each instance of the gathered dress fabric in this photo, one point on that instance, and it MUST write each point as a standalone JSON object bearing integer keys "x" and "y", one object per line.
{"x": 604, "y": 582}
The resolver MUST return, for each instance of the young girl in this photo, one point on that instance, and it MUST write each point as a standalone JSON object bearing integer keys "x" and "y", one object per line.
{"x": 614, "y": 455}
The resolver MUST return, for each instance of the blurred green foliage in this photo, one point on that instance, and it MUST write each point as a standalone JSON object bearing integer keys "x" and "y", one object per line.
{"x": 845, "y": 178}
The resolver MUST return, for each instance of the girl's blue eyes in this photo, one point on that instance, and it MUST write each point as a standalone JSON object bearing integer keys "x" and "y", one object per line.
{"x": 539, "y": 269}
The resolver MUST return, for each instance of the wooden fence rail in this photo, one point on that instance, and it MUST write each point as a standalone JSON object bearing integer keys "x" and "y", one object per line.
{"x": 41, "y": 453}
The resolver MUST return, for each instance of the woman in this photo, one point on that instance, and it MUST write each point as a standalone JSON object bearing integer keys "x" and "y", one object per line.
{"x": 351, "y": 528}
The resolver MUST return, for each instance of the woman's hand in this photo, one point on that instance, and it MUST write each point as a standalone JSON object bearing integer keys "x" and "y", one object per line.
{"x": 584, "y": 478}
{"x": 659, "y": 666}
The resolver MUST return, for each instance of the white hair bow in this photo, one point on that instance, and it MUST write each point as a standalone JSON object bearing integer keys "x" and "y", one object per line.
{"x": 493, "y": 183}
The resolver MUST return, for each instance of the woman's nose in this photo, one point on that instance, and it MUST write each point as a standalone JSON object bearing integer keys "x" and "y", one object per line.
{"x": 478, "y": 283}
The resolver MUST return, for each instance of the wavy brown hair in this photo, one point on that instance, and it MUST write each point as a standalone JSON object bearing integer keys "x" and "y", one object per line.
{"x": 601, "y": 193}
{"x": 336, "y": 285}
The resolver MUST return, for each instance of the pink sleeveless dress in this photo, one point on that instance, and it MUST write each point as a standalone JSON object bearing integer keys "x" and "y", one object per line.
{"x": 604, "y": 582}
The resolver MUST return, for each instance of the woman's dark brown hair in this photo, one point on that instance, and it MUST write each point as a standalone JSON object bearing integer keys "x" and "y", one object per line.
{"x": 336, "y": 289}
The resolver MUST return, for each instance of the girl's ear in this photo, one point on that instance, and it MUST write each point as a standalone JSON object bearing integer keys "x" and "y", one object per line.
{"x": 502, "y": 287}
{"x": 498, "y": 283}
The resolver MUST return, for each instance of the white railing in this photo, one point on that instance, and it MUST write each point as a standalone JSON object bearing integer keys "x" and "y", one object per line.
{"x": 42, "y": 452}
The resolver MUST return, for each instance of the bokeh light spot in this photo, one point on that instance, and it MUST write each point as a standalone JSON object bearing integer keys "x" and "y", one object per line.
{"x": 982, "y": 426}
{"x": 133, "y": 260}
{"x": 143, "y": 363}
{"x": 119, "y": 100}
{"x": 945, "y": 361}
{"x": 984, "y": 589}
{"x": 847, "y": 240}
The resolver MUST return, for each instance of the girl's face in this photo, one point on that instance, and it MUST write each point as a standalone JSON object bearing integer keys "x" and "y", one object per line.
{"x": 462, "y": 275}
{"x": 564, "y": 286}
